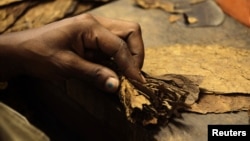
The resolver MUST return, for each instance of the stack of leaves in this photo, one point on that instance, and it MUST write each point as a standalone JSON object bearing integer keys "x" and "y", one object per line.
{"x": 18, "y": 15}
{"x": 156, "y": 101}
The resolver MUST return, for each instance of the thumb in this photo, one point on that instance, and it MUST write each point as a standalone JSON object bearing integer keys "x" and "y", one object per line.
{"x": 103, "y": 77}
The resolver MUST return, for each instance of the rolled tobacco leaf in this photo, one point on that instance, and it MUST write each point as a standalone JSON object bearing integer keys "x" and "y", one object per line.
{"x": 156, "y": 101}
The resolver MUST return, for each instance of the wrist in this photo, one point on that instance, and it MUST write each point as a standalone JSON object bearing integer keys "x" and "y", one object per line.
{"x": 9, "y": 56}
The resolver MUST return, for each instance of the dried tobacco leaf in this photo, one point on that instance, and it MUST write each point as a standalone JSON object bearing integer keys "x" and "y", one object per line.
{"x": 180, "y": 6}
{"x": 10, "y": 14}
{"x": 248, "y": 112}
{"x": 216, "y": 103}
{"x": 209, "y": 61}
{"x": 156, "y": 101}
{"x": 37, "y": 17}
{"x": 7, "y": 2}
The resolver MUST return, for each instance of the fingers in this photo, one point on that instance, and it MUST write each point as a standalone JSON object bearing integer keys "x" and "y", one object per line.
{"x": 76, "y": 67}
{"x": 136, "y": 47}
{"x": 110, "y": 44}
{"x": 130, "y": 32}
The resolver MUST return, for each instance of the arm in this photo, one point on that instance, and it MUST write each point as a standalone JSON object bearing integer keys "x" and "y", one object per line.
{"x": 72, "y": 48}
{"x": 9, "y": 64}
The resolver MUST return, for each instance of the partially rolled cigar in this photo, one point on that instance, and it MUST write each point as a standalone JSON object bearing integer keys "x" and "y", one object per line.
{"x": 158, "y": 100}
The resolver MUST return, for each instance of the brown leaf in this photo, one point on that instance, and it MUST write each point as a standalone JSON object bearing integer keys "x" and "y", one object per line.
{"x": 221, "y": 103}
{"x": 36, "y": 16}
{"x": 156, "y": 101}
{"x": 10, "y": 14}
{"x": 173, "y": 18}
{"x": 7, "y": 2}
{"x": 224, "y": 70}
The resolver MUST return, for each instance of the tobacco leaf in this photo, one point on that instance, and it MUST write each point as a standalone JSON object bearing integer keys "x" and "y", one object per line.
{"x": 179, "y": 6}
{"x": 156, "y": 101}
{"x": 11, "y": 13}
{"x": 162, "y": 4}
{"x": 7, "y": 2}
{"x": 83, "y": 7}
{"x": 224, "y": 69}
{"x": 248, "y": 112}
{"x": 174, "y": 18}
{"x": 220, "y": 103}
{"x": 44, "y": 13}
{"x": 189, "y": 83}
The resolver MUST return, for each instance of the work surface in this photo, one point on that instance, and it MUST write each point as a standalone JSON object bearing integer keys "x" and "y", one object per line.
{"x": 158, "y": 32}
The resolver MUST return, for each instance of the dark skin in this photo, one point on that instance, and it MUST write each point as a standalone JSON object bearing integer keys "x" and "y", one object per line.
{"x": 73, "y": 48}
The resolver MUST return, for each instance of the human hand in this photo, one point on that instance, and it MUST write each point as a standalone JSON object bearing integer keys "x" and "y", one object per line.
{"x": 74, "y": 48}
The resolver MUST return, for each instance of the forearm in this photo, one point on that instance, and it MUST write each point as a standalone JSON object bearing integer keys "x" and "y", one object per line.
{"x": 10, "y": 64}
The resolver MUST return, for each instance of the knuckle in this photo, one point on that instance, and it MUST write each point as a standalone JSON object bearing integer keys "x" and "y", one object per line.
{"x": 99, "y": 73}
{"x": 86, "y": 18}
{"x": 119, "y": 52}
{"x": 122, "y": 44}
{"x": 135, "y": 27}
{"x": 65, "y": 60}
{"x": 100, "y": 69}
{"x": 69, "y": 60}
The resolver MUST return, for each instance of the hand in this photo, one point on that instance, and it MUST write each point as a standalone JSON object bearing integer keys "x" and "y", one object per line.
{"x": 74, "y": 48}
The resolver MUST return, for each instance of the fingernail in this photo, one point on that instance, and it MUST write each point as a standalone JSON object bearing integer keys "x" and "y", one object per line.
{"x": 111, "y": 84}
{"x": 143, "y": 78}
